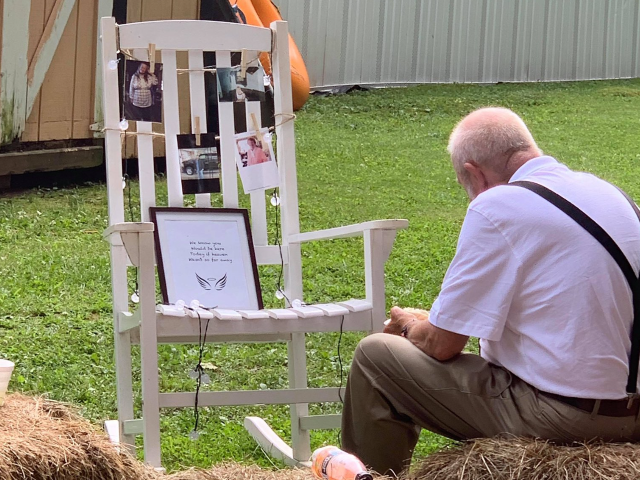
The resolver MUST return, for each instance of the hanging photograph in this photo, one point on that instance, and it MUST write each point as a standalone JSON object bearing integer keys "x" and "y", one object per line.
{"x": 206, "y": 254}
{"x": 143, "y": 91}
{"x": 256, "y": 161}
{"x": 228, "y": 88}
{"x": 252, "y": 85}
{"x": 199, "y": 163}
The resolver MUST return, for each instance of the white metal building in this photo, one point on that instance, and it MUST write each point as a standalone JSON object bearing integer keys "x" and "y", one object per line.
{"x": 348, "y": 42}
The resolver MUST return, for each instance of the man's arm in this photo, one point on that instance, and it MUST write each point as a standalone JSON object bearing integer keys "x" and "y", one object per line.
{"x": 434, "y": 341}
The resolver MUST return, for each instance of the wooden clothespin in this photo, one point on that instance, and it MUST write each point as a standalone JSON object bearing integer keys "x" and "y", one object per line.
{"x": 256, "y": 127}
{"x": 243, "y": 64}
{"x": 196, "y": 127}
{"x": 152, "y": 57}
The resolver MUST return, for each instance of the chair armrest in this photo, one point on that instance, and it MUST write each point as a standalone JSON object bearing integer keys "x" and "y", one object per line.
{"x": 128, "y": 227}
{"x": 348, "y": 230}
{"x": 128, "y": 234}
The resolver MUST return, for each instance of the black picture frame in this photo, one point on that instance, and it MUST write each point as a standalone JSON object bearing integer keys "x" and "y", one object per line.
{"x": 167, "y": 254}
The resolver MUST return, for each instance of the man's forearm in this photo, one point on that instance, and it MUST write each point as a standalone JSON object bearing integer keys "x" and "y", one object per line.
{"x": 435, "y": 342}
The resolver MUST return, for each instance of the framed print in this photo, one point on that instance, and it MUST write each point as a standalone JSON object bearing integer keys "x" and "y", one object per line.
{"x": 206, "y": 254}
{"x": 143, "y": 91}
{"x": 199, "y": 163}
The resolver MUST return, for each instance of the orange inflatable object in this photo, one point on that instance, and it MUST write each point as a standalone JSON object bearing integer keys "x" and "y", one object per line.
{"x": 261, "y": 13}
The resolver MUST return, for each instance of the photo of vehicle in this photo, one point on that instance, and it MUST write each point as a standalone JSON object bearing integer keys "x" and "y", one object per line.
{"x": 199, "y": 163}
{"x": 204, "y": 161}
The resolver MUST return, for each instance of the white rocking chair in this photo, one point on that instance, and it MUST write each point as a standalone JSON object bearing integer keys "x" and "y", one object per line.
{"x": 132, "y": 243}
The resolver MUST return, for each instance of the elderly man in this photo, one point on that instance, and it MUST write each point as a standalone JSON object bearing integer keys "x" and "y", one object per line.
{"x": 551, "y": 306}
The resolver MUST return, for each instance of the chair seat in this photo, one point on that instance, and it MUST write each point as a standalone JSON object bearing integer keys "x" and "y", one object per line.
{"x": 302, "y": 312}
{"x": 185, "y": 325}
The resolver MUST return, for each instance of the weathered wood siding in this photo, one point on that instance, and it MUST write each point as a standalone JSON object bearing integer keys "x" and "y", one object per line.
{"x": 64, "y": 107}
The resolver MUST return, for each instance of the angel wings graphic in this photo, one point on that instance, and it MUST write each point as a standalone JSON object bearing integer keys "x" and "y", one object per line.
{"x": 212, "y": 283}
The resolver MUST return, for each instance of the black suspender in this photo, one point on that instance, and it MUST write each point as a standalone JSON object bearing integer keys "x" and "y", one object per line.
{"x": 586, "y": 222}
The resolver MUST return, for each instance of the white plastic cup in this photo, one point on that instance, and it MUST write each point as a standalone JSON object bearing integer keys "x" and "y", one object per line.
{"x": 6, "y": 368}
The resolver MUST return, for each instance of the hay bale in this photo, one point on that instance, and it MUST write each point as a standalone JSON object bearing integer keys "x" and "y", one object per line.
{"x": 236, "y": 471}
{"x": 43, "y": 439}
{"x": 530, "y": 459}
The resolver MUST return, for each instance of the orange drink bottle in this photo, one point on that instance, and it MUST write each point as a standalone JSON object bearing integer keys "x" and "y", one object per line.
{"x": 331, "y": 463}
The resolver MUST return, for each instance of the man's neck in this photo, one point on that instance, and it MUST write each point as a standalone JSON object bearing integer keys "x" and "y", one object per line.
{"x": 517, "y": 160}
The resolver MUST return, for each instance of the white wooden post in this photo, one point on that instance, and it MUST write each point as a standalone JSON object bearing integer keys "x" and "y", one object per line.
{"x": 149, "y": 351}
{"x": 198, "y": 107}
{"x": 229, "y": 175}
{"x": 122, "y": 341}
{"x": 171, "y": 127}
{"x": 122, "y": 344}
{"x": 377, "y": 247}
{"x": 300, "y": 439}
{"x": 146, "y": 173}
{"x": 13, "y": 71}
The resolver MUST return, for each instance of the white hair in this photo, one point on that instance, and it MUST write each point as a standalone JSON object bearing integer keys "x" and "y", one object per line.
{"x": 489, "y": 137}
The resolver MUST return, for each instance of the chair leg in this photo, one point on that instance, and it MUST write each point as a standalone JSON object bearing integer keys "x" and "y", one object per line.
{"x": 300, "y": 439}
{"x": 149, "y": 352}
{"x": 122, "y": 344}
{"x": 124, "y": 387}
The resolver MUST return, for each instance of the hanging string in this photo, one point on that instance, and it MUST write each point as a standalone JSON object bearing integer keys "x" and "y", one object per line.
{"x": 341, "y": 373}
{"x": 340, "y": 359}
{"x": 180, "y": 71}
{"x": 202, "y": 340}
{"x": 125, "y": 133}
{"x": 290, "y": 118}
{"x": 127, "y": 183}
{"x": 279, "y": 244}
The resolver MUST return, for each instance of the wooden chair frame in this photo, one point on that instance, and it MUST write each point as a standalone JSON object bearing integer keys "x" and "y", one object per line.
{"x": 132, "y": 243}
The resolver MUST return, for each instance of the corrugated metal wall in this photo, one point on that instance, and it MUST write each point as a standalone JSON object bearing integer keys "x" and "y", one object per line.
{"x": 421, "y": 41}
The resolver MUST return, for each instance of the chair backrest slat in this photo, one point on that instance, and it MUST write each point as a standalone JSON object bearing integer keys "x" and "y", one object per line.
{"x": 145, "y": 170}
{"x": 144, "y": 145}
{"x": 198, "y": 107}
{"x": 171, "y": 126}
{"x": 227, "y": 142}
{"x": 207, "y": 36}
{"x": 258, "y": 204}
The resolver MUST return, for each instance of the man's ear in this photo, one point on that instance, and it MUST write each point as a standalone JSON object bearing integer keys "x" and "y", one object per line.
{"x": 478, "y": 179}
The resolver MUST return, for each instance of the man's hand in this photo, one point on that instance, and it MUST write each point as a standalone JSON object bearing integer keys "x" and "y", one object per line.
{"x": 434, "y": 341}
{"x": 399, "y": 318}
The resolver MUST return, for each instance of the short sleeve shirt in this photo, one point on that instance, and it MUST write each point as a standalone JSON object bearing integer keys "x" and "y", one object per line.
{"x": 548, "y": 302}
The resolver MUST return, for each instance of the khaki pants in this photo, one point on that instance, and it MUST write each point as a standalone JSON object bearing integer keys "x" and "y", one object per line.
{"x": 394, "y": 389}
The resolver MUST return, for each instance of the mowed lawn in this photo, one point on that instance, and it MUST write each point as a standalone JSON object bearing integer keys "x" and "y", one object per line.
{"x": 363, "y": 156}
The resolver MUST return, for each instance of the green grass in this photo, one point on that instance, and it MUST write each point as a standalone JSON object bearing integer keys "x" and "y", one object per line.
{"x": 363, "y": 156}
